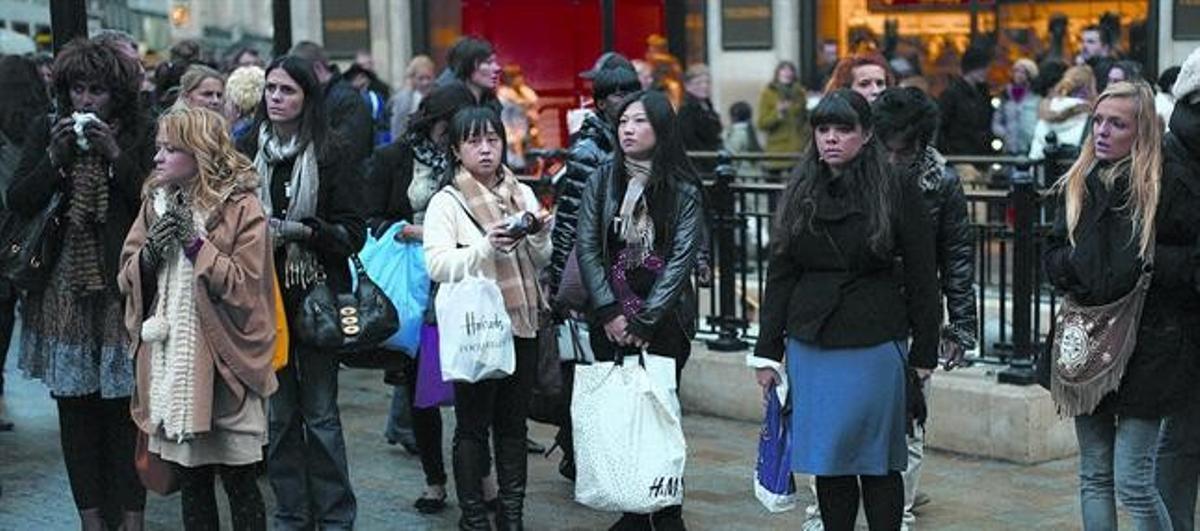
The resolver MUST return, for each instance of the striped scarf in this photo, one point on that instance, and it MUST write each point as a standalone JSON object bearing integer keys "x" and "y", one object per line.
{"x": 515, "y": 272}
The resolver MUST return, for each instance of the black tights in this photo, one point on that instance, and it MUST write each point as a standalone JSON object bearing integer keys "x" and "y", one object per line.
{"x": 98, "y": 438}
{"x": 199, "y": 501}
{"x": 882, "y": 497}
{"x": 427, "y": 431}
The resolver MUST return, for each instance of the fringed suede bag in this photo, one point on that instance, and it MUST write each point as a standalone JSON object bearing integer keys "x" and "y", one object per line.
{"x": 1092, "y": 346}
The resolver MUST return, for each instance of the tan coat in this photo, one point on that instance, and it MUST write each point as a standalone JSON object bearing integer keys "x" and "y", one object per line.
{"x": 235, "y": 308}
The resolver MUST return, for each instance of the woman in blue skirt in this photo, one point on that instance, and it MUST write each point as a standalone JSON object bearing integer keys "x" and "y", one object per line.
{"x": 852, "y": 300}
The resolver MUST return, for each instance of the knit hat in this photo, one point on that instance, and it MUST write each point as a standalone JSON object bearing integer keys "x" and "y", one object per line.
{"x": 1028, "y": 65}
{"x": 976, "y": 57}
{"x": 1187, "y": 85}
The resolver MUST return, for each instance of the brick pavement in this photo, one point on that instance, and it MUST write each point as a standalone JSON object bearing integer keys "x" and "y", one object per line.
{"x": 968, "y": 494}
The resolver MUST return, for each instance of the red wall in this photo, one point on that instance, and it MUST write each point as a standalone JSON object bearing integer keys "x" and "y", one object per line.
{"x": 555, "y": 40}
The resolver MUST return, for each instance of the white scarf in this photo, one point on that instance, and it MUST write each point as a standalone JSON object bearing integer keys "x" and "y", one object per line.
{"x": 171, "y": 333}
{"x": 304, "y": 182}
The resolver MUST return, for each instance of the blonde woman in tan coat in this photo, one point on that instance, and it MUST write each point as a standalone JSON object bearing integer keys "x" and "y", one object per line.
{"x": 197, "y": 274}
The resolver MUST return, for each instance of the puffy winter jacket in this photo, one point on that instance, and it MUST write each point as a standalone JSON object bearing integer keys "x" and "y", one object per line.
{"x": 943, "y": 194}
{"x": 590, "y": 146}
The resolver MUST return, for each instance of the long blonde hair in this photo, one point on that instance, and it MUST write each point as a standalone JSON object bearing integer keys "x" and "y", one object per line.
{"x": 220, "y": 168}
{"x": 1144, "y": 166}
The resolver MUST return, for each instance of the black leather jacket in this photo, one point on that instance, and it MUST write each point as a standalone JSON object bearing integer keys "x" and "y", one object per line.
{"x": 943, "y": 194}
{"x": 590, "y": 146}
{"x": 673, "y": 291}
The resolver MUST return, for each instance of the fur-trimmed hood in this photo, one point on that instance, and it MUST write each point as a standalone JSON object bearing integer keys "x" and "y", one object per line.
{"x": 1187, "y": 85}
{"x": 1062, "y": 108}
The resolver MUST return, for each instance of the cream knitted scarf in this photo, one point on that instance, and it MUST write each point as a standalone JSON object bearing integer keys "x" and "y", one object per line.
{"x": 171, "y": 333}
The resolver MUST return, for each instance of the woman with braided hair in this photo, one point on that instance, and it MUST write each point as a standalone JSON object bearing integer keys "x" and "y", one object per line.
{"x": 95, "y": 152}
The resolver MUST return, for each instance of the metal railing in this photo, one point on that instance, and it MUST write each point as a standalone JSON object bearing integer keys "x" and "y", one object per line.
{"x": 1008, "y": 219}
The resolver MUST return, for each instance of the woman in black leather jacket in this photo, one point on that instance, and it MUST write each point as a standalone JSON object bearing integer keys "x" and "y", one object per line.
{"x": 638, "y": 224}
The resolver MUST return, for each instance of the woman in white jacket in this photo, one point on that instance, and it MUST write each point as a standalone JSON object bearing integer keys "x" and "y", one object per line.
{"x": 1066, "y": 111}
{"x": 487, "y": 223}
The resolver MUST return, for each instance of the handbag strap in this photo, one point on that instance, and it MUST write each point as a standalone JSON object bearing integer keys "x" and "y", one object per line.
{"x": 450, "y": 190}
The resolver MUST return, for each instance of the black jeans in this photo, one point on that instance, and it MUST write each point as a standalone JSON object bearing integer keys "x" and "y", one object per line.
{"x": 98, "y": 439}
{"x": 499, "y": 407}
{"x": 882, "y": 498}
{"x": 8, "y": 306}
{"x": 199, "y": 502}
{"x": 427, "y": 430}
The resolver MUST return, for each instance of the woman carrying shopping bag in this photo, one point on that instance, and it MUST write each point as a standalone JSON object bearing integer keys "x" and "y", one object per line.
{"x": 198, "y": 279}
{"x": 487, "y": 224}
{"x": 639, "y": 220}
{"x": 842, "y": 312}
{"x": 404, "y": 176}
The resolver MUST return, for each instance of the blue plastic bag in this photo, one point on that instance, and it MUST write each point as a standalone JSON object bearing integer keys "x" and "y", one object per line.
{"x": 774, "y": 485}
{"x": 398, "y": 268}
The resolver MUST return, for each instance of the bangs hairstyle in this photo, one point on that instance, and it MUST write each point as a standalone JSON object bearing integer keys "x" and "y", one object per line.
{"x": 1144, "y": 165}
{"x": 89, "y": 61}
{"x": 609, "y": 81}
{"x": 868, "y": 181}
{"x": 221, "y": 169}
{"x": 466, "y": 124}
{"x": 669, "y": 165}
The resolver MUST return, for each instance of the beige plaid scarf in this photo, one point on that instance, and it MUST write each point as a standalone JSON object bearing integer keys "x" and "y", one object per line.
{"x": 515, "y": 272}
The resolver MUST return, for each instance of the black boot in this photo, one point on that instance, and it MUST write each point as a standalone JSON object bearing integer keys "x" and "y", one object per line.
{"x": 511, "y": 474}
{"x": 470, "y": 465}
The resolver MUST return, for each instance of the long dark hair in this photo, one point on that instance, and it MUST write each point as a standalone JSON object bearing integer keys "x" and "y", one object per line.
{"x": 466, "y": 123}
{"x": 22, "y": 96}
{"x": 313, "y": 125}
{"x": 669, "y": 166}
{"x": 866, "y": 179}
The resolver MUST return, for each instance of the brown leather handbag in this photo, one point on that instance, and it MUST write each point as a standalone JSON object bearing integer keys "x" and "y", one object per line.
{"x": 156, "y": 474}
{"x": 1092, "y": 346}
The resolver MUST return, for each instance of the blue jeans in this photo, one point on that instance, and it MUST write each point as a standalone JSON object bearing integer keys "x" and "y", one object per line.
{"x": 1117, "y": 454}
{"x": 1179, "y": 466}
{"x": 306, "y": 459}
{"x": 399, "y": 426}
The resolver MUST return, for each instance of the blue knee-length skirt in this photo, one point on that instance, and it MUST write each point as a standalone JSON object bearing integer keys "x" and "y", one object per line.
{"x": 848, "y": 409}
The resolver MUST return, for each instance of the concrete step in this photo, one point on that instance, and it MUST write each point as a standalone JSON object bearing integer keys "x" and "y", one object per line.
{"x": 969, "y": 412}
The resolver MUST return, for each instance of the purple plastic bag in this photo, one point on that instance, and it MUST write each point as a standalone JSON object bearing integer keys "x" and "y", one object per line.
{"x": 774, "y": 485}
{"x": 431, "y": 390}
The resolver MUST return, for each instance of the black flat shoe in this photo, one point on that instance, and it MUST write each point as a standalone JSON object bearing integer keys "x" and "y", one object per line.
{"x": 566, "y": 468}
{"x": 430, "y": 505}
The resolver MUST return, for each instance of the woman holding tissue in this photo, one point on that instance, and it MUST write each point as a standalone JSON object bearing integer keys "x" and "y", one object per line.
{"x": 94, "y": 153}
{"x": 485, "y": 222}
{"x": 639, "y": 220}
{"x": 197, "y": 274}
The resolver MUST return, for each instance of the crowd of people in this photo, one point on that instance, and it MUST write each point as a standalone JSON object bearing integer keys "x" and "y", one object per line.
{"x": 203, "y": 208}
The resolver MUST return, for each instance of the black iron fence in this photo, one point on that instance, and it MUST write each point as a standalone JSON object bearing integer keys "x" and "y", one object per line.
{"x": 1009, "y": 219}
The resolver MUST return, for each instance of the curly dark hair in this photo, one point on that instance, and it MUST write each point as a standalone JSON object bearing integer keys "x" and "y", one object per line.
{"x": 905, "y": 112}
{"x": 92, "y": 61}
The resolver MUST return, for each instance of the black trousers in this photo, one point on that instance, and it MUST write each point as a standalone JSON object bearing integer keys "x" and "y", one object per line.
{"x": 8, "y": 306}
{"x": 427, "y": 430}
{"x": 98, "y": 440}
{"x": 199, "y": 502}
{"x": 882, "y": 498}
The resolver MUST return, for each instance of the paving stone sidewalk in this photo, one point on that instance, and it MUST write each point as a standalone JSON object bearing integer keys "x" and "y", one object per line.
{"x": 967, "y": 494}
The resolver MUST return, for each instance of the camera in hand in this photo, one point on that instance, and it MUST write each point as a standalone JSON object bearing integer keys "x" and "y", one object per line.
{"x": 521, "y": 224}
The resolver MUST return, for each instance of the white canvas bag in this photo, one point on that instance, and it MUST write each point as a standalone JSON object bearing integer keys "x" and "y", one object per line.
{"x": 630, "y": 453}
{"x": 474, "y": 330}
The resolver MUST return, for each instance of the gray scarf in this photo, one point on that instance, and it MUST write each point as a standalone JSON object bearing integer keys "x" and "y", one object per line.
{"x": 304, "y": 182}
{"x": 633, "y": 220}
{"x": 301, "y": 191}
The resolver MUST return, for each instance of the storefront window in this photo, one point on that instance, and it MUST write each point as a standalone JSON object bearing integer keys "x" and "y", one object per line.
{"x": 926, "y": 37}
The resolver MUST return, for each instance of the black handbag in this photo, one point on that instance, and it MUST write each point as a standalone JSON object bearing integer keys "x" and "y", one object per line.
{"x": 31, "y": 245}
{"x": 346, "y": 322}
